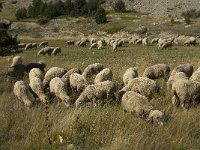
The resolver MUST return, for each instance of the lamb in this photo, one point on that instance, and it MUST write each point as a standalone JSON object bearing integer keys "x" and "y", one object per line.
{"x": 37, "y": 89}
{"x": 94, "y": 45}
{"x": 51, "y": 73}
{"x": 96, "y": 91}
{"x": 16, "y": 61}
{"x": 92, "y": 69}
{"x": 130, "y": 73}
{"x": 46, "y": 50}
{"x": 104, "y": 75}
{"x": 59, "y": 89}
{"x": 141, "y": 85}
{"x": 139, "y": 105}
{"x": 77, "y": 82}
{"x": 56, "y": 50}
{"x": 145, "y": 41}
{"x": 196, "y": 75}
{"x": 186, "y": 93}
{"x": 114, "y": 45}
{"x": 44, "y": 44}
{"x": 157, "y": 71}
{"x": 36, "y": 72}
{"x": 21, "y": 90}
{"x": 186, "y": 68}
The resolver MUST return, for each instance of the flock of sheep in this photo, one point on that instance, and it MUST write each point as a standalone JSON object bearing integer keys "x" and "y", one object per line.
{"x": 95, "y": 84}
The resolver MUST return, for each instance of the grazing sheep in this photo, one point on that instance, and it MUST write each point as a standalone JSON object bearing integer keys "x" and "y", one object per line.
{"x": 139, "y": 41}
{"x": 28, "y": 46}
{"x": 46, "y": 50}
{"x": 34, "y": 45}
{"x": 44, "y": 44}
{"x": 196, "y": 75}
{"x": 70, "y": 42}
{"x": 100, "y": 44}
{"x": 36, "y": 72}
{"x": 104, "y": 75}
{"x": 130, "y": 73}
{"x": 21, "y": 92}
{"x": 21, "y": 45}
{"x": 174, "y": 77}
{"x": 77, "y": 82}
{"x": 59, "y": 89}
{"x": 92, "y": 69}
{"x": 145, "y": 41}
{"x": 186, "y": 93}
{"x": 94, "y": 45}
{"x": 157, "y": 71}
{"x": 52, "y": 73}
{"x": 83, "y": 42}
{"x": 16, "y": 61}
{"x": 96, "y": 91}
{"x": 190, "y": 41}
{"x": 141, "y": 85}
{"x": 56, "y": 50}
{"x": 166, "y": 45}
{"x": 154, "y": 40}
{"x": 114, "y": 45}
{"x": 186, "y": 68}
{"x": 65, "y": 77}
{"x": 37, "y": 89}
{"x": 139, "y": 105}
{"x": 120, "y": 43}
{"x": 39, "y": 65}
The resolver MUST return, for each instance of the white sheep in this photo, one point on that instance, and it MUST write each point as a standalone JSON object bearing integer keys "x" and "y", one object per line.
{"x": 59, "y": 89}
{"x": 21, "y": 45}
{"x": 139, "y": 41}
{"x": 92, "y": 69}
{"x": 56, "y": 51}
{"x": 166, "y": 45}
{"x": 130, "y": 73}
{"x": 190, "y": 41}
{"x": 157, "y": 71}
{"x": 46, "y": 50}
{"x": 77, "y": 82}
{"x": 100, "y": 44}
{"x": 186, "y": 93}
{"x": 141, "y": 85}
{"x": 139, "y": 105}
{"x": 145, "y": 41}
{"x": 93, "y": 45}
{"x": 154, "y": 40}
{"x": 196, "y": 75}
{"x": 21, "y": 91}
{"x": 93, "y": 92}
{"x": 114, "y": 45}
{"x": 52, "y": 73}
{"x": 16, "y": 61}
{"x": 34, "y": 45}
{"x": 28, "y": 46}
{"x": 36, "y": 72}
{"x": 37, "y": 89}
{"x": 43, "y": 44}
{"x": 104, "y": 75}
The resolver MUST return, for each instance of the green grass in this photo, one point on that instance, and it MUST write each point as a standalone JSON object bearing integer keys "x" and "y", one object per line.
{"x": 104, "y": 127}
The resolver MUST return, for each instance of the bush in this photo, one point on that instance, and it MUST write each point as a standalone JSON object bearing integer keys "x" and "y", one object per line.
{"x": 119, "y": 6}
{"x": 191, "y": 13}
{"x": 1, "y": 6}
{"x": 187, "y": 19}
{"x": 14, "y": 2}
{"x": 42, "y": 20}
{"x": 100, "y": 16}
{"x": 21, "y": 14}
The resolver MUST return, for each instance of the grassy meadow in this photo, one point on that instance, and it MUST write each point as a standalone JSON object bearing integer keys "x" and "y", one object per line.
{"x": 104, "y": 127}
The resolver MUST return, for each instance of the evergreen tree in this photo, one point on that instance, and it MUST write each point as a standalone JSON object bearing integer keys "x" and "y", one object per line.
{"x": 119, "y": 6}
{"x": 100, "y": 16}
{"x": 21, "y": 14}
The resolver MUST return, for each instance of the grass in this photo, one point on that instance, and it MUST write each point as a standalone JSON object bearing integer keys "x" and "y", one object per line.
{"x": 104, "y": 127}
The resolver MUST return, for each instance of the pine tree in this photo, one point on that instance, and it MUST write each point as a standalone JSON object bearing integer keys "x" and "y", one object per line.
{"x": 100, "y": 16}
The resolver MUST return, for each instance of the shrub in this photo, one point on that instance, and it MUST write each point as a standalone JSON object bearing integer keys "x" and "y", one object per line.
{"x": 14, "y": 2}
{"x": 42, "y": 20}
{"x": 119, "y": 6}
{"x": 21, "y": 14}
{"x": 1, "y": 6}
{"x": 187, "y": 19}
{"x": 100, "y": 16}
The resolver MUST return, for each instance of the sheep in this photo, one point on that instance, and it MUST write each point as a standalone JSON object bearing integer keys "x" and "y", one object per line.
{"x": 114, "y": 45}
{"x": 186, "y": 93}
{"x": 36, "y": 72}
{"x": 34, "y": 45}
{"x": 130, "y": 73}
{"x": 157, "y": 71}
{"x": 145, "y": 41}
{"x": 56, "y": 50}
{"x": 154, "y": 40}
{"x": 21, "y": 45}
{"x": 190, "y": 41}
{"x": 21, "y": 90}
{"x": 94, "y": 45}
{"x": 196, "y": 75}
{"x": 96, "y": 91}
{"x": 44, "y": 44}
{"x": 70, "y": 42}
{"x": 37, "y": 89}
{"x": 92, "y": 69}
{"x": 51, "y": 73}
{"x": 103, "y": 75}
{"x": 139, "y": 41}
{"x": 100, "y": 44}
{"x": 16, "y": 61}
{"x": 83, "y": 42}
{"x": 46, "y": 50}
{"x": 39, "y": 65}
{"x": 28, "y": 46}
{"x": 139, "y": 105}
{"x": 186, "y": 68}
{"x": 77, "y": 82}
{"x": 174, "y": 77}
{"x": 141, "y": 85}
{"x": 120, "y": 43}
{"x": 166, "y": 45}
{"x": 65, "y": 77}
{"x": 59, "y": 89}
